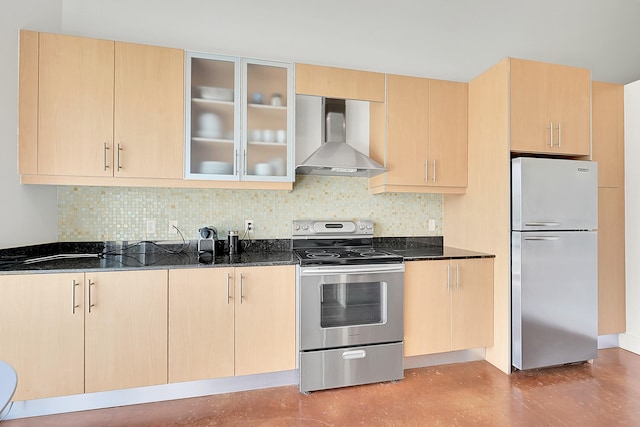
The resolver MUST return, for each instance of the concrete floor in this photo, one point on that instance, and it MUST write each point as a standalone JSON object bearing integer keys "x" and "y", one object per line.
{"x": 605, "y": 393}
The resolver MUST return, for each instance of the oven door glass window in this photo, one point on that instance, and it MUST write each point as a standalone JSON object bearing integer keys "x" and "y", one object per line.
{"x": 350, "y": 304}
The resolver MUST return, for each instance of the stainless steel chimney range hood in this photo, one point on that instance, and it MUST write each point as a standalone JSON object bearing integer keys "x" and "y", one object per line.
{"x": 335, "y": 157}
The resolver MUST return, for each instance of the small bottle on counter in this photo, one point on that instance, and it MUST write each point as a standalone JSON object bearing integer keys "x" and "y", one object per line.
{"x": 233, "y": 242}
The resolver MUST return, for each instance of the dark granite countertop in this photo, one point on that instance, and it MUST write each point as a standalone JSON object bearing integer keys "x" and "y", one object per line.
{"x": 430, "y": 253}
{"x": 86, "y": 256}
{"x": 425, "y": 248}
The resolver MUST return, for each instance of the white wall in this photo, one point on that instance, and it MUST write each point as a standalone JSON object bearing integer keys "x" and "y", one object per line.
{"x": 631, "y": 340}
{"x": 453, "y": 40}
{"x": 28, "y": 214}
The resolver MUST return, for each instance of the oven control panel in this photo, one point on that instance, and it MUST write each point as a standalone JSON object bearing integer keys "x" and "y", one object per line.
{"x": 308, "y": 228}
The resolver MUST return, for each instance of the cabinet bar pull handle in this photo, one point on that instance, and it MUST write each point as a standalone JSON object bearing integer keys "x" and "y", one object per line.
{"x": 228, "y": 293}
{"x": 89, "y": 290}
{"x": 118, "y": 167}
{"x": 559, "y": 134}
{"x": 434, "y": 171}
{"x": 235, "y": 163}
{"x": 458, "y": 277}
{"x": 551, "y": 134}
{"x": 241, "y": 290}
{"x": 73, "y": 296}
{"x": 244, "y": 172}
{"x": 448, "y": 278}
{"x": 426, "y": 170}
{"x": 106, "y": 147}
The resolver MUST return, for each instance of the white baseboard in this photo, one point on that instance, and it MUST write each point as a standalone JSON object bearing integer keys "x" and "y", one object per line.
{"x": 444, "y": 358}
{"x": 164, "y": 392}
{"x": 630, "y": 342}
{"x": 608, "y": 341}
{"x": 157, "y": 393}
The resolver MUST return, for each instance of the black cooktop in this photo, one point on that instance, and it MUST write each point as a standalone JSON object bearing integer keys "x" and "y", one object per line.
{"x": 346, "y": 256}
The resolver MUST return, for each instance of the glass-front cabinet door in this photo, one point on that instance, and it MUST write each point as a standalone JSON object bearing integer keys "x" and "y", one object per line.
{"x": 268, "y": 120}
{"x": 239, "y": 119}
{"x": 212, "y": 117}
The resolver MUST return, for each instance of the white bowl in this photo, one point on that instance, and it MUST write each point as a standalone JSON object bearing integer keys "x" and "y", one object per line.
{"x": 269, "y": 135}
{"x": 214, "y": 93}
{"x": 210, "y": 125}
{"x": 263, "y": 169}
{"x": 256, "y": 135}
{"x": 277, "y": 163}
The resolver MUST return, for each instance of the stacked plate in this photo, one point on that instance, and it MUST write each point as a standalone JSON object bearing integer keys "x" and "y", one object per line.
{"x": 214, "y": 93}
{"x": 213, "y": 167}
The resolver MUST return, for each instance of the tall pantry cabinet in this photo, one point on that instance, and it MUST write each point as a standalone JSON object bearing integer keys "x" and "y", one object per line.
{"x": 608, "y": 151}
{"x": 520, "y": 107}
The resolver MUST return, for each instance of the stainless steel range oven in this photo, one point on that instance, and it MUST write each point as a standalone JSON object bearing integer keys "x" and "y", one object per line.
{"x": 350, "y": 306}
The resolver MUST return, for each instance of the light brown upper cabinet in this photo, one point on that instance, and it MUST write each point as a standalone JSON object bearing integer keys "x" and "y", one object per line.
{"x": 104, "y": 108}
{"x": 550, "y": 108}
{"x": 425, "y": 144}
{"x": 339, "y": 83}
{"x": 607, "y": 129}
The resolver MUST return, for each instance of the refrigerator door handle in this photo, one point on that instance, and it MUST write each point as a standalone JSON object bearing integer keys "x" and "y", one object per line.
{"x": 542, "y": 224}
{"x": 542, "y": 238}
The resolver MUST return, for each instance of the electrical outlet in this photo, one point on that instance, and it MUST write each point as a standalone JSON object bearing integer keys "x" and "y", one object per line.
{"x": 173, "y": 231}
{"x": 151, "y": 226}
{"x": 432, "y": 225}
{"x": 248, "y": 225}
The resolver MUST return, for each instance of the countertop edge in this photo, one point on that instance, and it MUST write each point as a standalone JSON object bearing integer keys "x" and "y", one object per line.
{"x": 147, "y": 267}
{"x": 411, "y": 249}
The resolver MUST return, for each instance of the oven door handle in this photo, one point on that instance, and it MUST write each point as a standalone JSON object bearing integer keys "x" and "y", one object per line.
{"x": 348, "y": 269}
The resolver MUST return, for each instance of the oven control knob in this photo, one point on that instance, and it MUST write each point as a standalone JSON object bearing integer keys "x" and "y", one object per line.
{"x": 296, "y": 227}
{"x": 361, "y": 226}
{"x": 369, "y": 227}
{"x": 305, "y": 227}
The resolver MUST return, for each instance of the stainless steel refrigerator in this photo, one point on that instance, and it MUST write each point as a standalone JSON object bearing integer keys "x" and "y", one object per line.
{"x": 554, "y": 261}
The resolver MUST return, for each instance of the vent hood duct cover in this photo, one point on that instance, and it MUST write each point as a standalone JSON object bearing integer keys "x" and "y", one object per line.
{"x": 335, "y": 157}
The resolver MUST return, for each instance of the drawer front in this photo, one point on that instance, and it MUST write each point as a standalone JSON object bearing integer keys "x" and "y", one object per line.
{"x": 342, "y": 367}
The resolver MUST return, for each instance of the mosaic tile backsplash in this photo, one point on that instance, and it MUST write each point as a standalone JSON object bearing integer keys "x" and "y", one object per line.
{"x": 120, "y": 213}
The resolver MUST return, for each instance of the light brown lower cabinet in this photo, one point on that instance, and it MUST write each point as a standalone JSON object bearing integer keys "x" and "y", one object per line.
{"x": 125, "y": 329}
{"x": 42, "y": 333}
{"x": 59, "y": 347}
{"x": 201, "y": 331}
{"x": 231, "y": 321}
{"x": 448, "y": 305}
